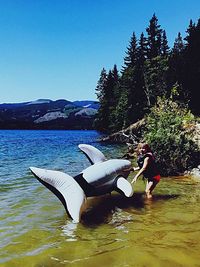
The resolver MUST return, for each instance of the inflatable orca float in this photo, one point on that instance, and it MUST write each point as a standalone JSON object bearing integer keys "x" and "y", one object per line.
{"x": 102, "y": 177}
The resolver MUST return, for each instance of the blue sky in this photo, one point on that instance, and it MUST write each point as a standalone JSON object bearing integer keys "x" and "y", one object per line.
{"x": 56, "y": 49}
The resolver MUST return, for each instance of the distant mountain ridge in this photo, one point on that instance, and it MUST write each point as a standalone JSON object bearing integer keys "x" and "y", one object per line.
{"x": 48, "y": 114}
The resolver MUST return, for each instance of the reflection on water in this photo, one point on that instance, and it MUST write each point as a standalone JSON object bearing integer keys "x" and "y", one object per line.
{"x": 68, "y": 230}
{"x": 115, "y": 231}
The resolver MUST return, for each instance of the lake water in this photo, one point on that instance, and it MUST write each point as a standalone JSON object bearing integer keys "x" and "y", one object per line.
{"x": 115, "y": 231}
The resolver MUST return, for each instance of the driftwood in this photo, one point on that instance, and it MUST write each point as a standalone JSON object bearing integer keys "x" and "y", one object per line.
{"x": 131, "y": 135}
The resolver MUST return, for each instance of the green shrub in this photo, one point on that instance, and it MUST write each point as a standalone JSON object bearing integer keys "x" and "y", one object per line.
{"x": 170, "y": 133}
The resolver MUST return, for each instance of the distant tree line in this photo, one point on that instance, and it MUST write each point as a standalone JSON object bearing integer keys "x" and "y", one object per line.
{"x": 150, "y": 70}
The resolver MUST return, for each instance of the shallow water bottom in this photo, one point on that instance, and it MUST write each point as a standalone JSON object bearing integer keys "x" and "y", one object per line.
{"x": 114, "y": 230}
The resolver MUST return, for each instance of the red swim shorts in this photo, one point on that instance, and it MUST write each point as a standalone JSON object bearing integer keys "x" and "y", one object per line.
{"x": 157, "y": 177}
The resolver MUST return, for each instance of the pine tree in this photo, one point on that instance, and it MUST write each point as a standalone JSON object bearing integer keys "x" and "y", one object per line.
{"x": 192, "y": 66}
{"x": 128, "y": 82}
{"x": 155, "y": 76}
{"x": 121, "y": 108}
{"x": 154, "y": 38}
{"x": 142, "y": 49}
{"x": 101, "y": 85}
{"x": 101, "y": 123}
{"x": 140, "y": 99}
{"x": 178, "y": 45}
{"x": 130, "y": 58}
{"x": 132, "y": 82}
{"x": 164, "y": 44}
{"x": 176, "y": 70}
{"x": 107, "y": 95}
{"x": 115, "y": 74}
{"x": 156, "y": 65}
{"x": 113, "y": 118}
{"x": 111, "y": 97}
{"x": 190, "y": 32}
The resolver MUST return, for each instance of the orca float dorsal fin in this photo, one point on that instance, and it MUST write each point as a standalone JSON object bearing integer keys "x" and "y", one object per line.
{"x": 65, "y": 188}
{"x": 92, "y": 153}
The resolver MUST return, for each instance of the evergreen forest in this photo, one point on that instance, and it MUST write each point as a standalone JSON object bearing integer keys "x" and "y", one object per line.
{"x": 151, "y": 69}
{"x": 160, "y": 84}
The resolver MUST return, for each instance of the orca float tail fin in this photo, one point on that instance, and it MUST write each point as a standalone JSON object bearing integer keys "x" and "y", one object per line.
{"x": 65, "y": 188}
